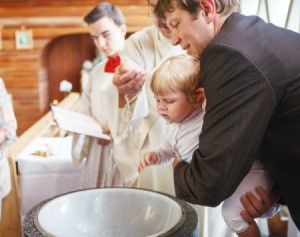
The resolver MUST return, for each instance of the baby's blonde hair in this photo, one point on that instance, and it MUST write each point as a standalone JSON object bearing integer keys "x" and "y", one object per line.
{"x": 179, "y": 72}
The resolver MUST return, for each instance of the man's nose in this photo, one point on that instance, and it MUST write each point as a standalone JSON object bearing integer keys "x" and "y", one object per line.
{"x": 101, "y": 42}
{"x": 175, "y": 39}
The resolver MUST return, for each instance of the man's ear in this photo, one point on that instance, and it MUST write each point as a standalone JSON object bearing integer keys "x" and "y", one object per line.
{"x": 209, "y": 9}
{"x": 123, "y": 29}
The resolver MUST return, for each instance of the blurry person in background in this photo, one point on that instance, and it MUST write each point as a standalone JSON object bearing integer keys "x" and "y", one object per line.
{"x": 8, "y": 127}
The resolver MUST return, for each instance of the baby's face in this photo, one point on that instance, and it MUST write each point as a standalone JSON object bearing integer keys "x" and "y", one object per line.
{"x": 174, "y": 106}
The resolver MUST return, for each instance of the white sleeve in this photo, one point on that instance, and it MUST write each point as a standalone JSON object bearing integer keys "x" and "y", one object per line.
{"x": 133, "y": 53}
{"x": 133, "y": 112}
{"x": 164, "y": 151}
{"x": 273, "y": 210}
{"x": 84, "y": 103}
{"x": 81, "y": 143}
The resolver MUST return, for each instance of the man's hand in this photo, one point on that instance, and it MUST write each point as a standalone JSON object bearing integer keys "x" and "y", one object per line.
{"x": 255, "y": 208}
{"x": 128, "y": 80}
{"x": 104, "y": 142}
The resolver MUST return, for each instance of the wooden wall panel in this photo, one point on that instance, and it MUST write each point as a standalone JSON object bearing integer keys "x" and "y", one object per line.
{"x": 13, "y": 3}
{"x": 23, "y": 70}
{"x": 72, "y": 50}
{"x": 58, "y": 11}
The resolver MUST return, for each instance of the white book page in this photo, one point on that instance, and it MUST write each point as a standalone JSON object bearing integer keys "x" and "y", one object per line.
{"x": 78, "y": 123}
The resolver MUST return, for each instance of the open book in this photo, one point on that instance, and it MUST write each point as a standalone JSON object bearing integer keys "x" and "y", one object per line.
{"x": 78, "y": 123}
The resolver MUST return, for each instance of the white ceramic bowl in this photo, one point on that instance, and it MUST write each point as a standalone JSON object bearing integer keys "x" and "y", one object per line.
{"x": 109, "y": 212}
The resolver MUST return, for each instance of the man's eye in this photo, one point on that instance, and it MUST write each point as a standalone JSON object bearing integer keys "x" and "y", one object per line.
{"x": 175, "y": 25}
{"x": 170, "y": 101}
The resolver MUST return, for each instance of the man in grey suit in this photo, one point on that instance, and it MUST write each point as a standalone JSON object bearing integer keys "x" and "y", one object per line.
{"x": 251, "y": 76}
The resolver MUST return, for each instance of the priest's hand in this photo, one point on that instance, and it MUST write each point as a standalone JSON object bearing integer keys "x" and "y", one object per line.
{"x": 128, "y": 79}
{"x": 104, "y": 142}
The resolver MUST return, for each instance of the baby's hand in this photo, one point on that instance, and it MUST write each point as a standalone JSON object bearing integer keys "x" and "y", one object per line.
{"x": 149, "y": 158}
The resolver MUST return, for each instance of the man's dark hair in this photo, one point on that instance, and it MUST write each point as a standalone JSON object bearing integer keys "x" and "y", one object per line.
{"x": 223, "y": 7}
{"x": 105, "y": 9}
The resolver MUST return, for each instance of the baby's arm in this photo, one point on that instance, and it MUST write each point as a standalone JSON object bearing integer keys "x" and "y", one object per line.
{"x": 150, "y": 158}
{"x": 163, "y": 154}
{"x": 232, "y": 207}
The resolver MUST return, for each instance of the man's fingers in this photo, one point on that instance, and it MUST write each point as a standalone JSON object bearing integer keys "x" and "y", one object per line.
{"x": 128, "y": 80}
{"x": 132, "y": 76}
{"x": 256, "y": 203}
{"x": 128, "y": 76}
{"x": 250, "y": 203}
{"x": 133, "y": 86}
{"x": 120, "y": 76}
{"x": 246, "y": 217}
{"x": 127, "y": 89}
{"x": 265, "y": 198}
{"x": 256, "y": 207}
{"x": 106, "y": 131}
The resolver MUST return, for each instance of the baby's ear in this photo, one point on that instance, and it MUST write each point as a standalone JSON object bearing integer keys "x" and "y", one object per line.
{"x": 199, "y": 95}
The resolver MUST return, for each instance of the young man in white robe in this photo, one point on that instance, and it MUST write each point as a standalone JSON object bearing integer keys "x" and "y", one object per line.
{"x": 107, "y": 29}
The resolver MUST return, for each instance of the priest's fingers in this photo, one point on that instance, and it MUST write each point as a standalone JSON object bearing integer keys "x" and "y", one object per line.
{"x": 133, "y": 85}
{"x": 106, "y": 131}
{"x": 103, "y": 142}
{"x": 118, "y": 78}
